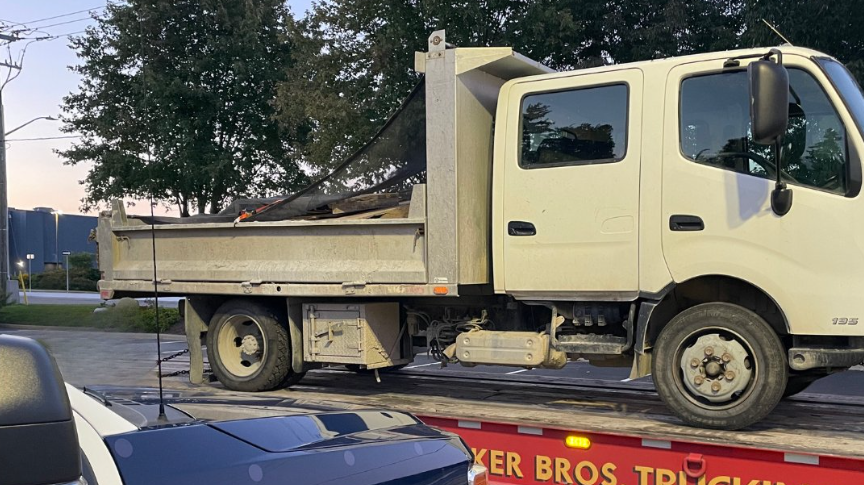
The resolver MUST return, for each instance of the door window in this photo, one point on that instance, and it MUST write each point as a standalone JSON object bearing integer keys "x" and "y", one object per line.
{"x": 580, "y": 126}
{"x": 715, "y": 130}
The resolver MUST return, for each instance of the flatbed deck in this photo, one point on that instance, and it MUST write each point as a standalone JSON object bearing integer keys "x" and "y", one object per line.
{"x": 810, "y": 423}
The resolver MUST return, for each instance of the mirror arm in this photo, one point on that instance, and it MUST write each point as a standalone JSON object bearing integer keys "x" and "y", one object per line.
{"x": 781, "y": 196}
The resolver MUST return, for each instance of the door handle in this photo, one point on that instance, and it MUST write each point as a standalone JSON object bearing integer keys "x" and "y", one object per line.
{"x": 521, "y": 228}
{"x": 686, "y": 223}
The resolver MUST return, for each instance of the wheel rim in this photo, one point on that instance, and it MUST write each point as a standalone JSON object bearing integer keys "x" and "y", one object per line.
{"x": 717, "y": 368}
{"x": 241, "y": 345}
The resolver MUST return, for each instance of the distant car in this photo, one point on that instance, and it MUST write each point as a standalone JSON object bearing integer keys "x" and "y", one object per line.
{"x": 117, "y": 436}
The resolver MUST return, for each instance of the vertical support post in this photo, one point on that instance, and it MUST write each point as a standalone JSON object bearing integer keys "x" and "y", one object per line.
{"x": 295, "y": 332}
{"x": 198, "y": 312}
{"x": 4, "y": 210}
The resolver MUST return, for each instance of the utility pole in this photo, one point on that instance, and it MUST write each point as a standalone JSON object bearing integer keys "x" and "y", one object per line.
{"x": 4, "y": 211}
{"x": 4, "y": 203}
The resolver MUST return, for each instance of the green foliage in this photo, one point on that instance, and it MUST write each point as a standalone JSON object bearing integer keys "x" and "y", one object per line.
{"x": 81, "y": 261}
{"x": 131, "y": 319}
{"x": 831, "y": 27}
{"x": 146, "y": 321}
{"x": 82, "y": 275}
{"x": 175, "y": 101}
{"x": 354, "y": 58}
{"x": 202, "y": 101}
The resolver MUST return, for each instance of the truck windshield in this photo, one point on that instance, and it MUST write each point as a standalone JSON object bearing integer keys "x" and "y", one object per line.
{"x": 848, "y": 88}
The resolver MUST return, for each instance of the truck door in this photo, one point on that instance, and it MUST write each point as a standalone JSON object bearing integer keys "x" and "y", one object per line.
{"x": 717, "y": 187}
{"x": 571, "y": 187}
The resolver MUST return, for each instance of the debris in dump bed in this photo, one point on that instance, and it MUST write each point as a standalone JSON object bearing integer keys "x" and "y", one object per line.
{"x": 365, "y": 202}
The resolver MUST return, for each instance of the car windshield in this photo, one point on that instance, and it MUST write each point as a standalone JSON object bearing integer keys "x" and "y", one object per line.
{"x": 848, "y": 88}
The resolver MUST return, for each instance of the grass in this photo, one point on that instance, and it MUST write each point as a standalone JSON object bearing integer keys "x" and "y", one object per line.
{"x": 82, "y": 316}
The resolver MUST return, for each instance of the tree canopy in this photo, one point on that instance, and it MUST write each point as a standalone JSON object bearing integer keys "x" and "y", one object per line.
{"x": 175, "y": 101}
{"x": 199, "y": 101}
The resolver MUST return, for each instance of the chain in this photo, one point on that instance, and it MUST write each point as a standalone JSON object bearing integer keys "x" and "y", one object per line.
{"x": 179, "y": 372}
{"x": 172, "y": 356}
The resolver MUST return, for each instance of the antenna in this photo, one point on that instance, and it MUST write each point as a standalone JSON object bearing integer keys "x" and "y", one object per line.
{"x": 156, "y": 303}
{"x": 152, "y": 233}
{"x": 776, "y": 31}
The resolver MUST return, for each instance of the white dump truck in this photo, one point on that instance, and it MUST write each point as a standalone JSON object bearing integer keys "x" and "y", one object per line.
{"x": 697, "y": 218}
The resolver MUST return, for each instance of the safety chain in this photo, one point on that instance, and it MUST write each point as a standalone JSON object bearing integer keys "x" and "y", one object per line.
{"x": 173, "y": 356}
{"x": 179, "y": 372}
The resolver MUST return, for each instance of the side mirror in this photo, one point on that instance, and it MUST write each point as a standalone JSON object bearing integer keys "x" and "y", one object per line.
{"x": 769, "y": 100}
{"x": 38, "y": 441}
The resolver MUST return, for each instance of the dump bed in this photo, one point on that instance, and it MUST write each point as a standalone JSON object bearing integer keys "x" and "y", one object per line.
{"x": 434, "y": 242}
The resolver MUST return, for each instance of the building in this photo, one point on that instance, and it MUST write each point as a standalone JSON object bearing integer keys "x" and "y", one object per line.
{"x": 45, "y": 234}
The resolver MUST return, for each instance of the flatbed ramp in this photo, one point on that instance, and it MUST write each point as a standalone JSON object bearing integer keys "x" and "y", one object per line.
{"x": 588, "y": 433}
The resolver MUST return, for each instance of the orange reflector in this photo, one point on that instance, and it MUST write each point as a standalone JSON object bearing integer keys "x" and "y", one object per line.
{"x": 578, "y": 442}
{"x": 440, "y": 290}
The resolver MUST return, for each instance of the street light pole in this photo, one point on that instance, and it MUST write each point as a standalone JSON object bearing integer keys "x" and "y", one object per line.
{"x": 30, "y": 257}
{"x": 66, "y": 254}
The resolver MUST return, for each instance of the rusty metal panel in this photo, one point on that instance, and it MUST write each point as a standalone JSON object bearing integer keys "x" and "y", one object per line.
{"x": 361, "y": 334}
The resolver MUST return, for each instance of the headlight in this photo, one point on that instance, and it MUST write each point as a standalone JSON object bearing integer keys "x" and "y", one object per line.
{"x": 477, "y": 475}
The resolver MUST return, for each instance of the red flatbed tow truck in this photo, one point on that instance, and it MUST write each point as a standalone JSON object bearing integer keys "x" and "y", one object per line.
{"x": 591, "y": 433}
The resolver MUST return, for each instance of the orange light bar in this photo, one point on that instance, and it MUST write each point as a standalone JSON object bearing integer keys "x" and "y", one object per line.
{"x": 577, "y": 442}
{"x": 440, "y": 290}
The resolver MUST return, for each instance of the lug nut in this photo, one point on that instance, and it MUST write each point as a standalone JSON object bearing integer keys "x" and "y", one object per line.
{"x": 694, "y": 363}
{"x": 715, "y": 386}
{"x": 699, "y": 380}
{"x": 709, "y": 351}
{"x": 729, "y": 375}
{"x": 726, "y": 357}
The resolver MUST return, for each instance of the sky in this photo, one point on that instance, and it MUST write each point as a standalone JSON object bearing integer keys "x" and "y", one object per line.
{"x": 36, "y": 175}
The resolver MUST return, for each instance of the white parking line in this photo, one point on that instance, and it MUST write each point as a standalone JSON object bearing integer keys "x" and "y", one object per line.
{"x": 421, "y": 365}
{"x": 518, "y": 371}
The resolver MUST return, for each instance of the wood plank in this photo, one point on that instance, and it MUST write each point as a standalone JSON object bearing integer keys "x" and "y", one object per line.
{"x": 364, "y": 202}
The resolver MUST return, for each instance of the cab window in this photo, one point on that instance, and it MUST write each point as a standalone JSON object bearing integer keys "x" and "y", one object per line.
{"x": 580, "y": 126}
{"x": 715, "y": 130}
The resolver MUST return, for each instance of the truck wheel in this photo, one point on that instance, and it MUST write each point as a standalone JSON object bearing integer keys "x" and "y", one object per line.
{"x": 720, "y": 366}
{"x": 249, "y": 348}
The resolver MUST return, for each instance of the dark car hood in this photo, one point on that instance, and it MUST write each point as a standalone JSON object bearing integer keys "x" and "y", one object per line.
{"x": 356, "y": 448}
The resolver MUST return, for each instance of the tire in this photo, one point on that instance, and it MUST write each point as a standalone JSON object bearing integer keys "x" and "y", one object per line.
{"x": 249, "y": 348}
{"x": 690, "y": 346}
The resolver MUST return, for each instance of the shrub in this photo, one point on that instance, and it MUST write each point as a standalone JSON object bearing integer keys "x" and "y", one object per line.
{"x": 146, "y": 321}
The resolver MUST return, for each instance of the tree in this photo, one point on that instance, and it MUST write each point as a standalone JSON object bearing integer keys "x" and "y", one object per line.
{"x": 831, "y": 27}
{"x": 355, "y": 58}
{"x": 175, "y": 101}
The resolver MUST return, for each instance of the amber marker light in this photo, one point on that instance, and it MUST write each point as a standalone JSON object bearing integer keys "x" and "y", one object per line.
{"x": 577, "y": 442}
{"x": 440, "y": 290}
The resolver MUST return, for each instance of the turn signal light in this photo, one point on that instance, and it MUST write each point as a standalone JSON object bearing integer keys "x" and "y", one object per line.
{"x": 477, "y": 475}
{"x": 440, "y": 290}
{"x": 577, "y": 442}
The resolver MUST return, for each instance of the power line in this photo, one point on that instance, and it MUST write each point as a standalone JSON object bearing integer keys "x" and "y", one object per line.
{"x": 42, "y": 138}
{"x": 53, "y": 37}
{"x": 40, "y": 27}
{"x": 54, "y": 17}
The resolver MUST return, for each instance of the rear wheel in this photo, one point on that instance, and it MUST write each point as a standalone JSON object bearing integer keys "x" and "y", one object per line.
{"x": 721, "y": 366}
{"x": 249, "y": 347}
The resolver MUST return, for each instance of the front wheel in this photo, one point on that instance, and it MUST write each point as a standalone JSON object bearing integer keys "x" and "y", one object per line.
{"x": 249, "y": 348}
{"x": 721, "y": 366}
